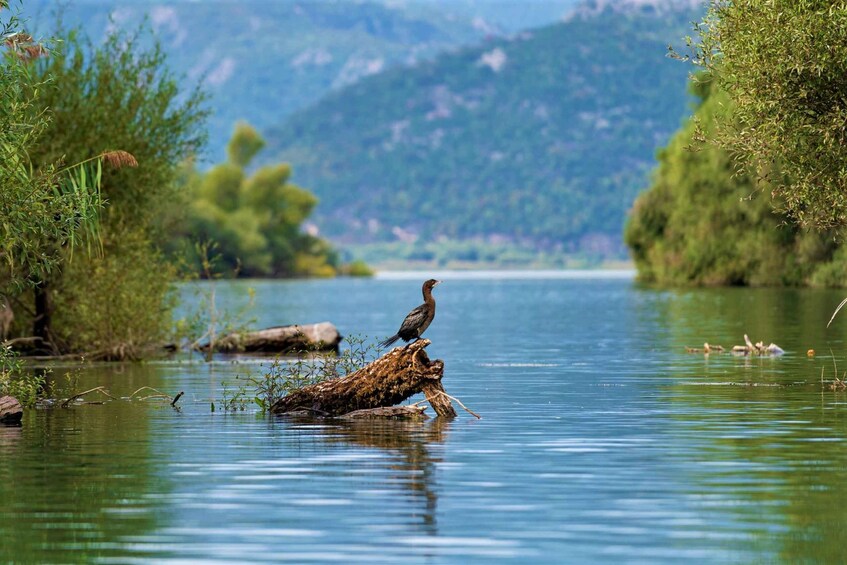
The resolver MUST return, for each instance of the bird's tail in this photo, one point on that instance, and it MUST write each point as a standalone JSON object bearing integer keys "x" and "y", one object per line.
{"x": 388, "y": 342}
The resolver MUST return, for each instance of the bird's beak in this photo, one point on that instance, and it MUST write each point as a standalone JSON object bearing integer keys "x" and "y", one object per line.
{"x": 437, "y": 283}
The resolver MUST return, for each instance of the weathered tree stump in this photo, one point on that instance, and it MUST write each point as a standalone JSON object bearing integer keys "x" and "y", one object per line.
{"x": 323, "y": 336}
{"x": 399, "y": 374}
{"x": 10, "y": 410}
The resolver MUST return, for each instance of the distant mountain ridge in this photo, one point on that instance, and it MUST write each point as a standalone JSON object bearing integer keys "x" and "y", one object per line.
{"x": 542, "y": 139}
{"x": 592, "y": 8}
{"x": 499, "y": 17}
{"x": 261, "y": 60}
{"x": 539, "y": 137}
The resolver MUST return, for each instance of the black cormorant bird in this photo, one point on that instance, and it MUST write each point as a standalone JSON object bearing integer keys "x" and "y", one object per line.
{"x": 418, "y": 319}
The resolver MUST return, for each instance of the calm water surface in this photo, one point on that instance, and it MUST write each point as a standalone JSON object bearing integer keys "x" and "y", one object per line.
{"x": 601, "y": 439}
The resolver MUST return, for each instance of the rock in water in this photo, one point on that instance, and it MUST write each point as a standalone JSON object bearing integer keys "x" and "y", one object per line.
{"x": 10, "y": 410}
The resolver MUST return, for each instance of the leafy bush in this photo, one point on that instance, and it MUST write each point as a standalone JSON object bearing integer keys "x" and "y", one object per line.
{"x": 783, "y": 64}
{"x": 113, "y": 95}
{"x": 122, "y": 304}
{"x": 44, "y": 208}
{"x": 357, "y": 268}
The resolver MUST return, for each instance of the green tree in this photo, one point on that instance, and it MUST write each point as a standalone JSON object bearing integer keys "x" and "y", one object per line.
{"x": 46, "y": 210}
{"x": 39, "y": 211}
{"x": 117, "y": 94}
{"x": 255, "y": 220}
{"x": 783, "y": 63}
{"x": 701, "y": 223}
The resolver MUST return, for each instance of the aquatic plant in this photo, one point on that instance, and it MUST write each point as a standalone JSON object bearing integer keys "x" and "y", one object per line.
{"x": 15, "y": 381}
{"x": 287, "y": 374}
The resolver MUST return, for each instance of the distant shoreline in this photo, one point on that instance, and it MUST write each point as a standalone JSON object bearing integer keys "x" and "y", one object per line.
{"x": 503, "y": 274}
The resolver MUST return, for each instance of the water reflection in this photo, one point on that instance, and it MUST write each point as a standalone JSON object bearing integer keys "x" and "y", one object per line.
{"x": 764, "y": 433}
{"x": 601, "y": 440}
{"x": 10, "y": 434}
{"x": 75, "y": 479}
{"x": 74, "y": 482}
{"x": 416, "y": 449}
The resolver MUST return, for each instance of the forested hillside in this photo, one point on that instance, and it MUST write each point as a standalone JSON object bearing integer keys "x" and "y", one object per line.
{"x": 539, "y": 140}
{"x": 510, "y": 16}
{"x": 543, "y": 139}
{"x": 261, "y": 60}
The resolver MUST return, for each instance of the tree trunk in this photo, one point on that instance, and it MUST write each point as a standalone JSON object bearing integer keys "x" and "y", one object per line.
{"x": 42, "y": 325}
{"x": 7, "y": 317}
{"x": 438, "y": 399}
{"x": 391, "y": 379}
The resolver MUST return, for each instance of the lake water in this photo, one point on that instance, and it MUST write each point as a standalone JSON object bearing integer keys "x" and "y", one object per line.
{"x": 601, "y": 439}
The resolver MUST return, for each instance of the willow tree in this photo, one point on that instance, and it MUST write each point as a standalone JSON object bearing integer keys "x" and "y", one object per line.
{"x": 783, "y": 63}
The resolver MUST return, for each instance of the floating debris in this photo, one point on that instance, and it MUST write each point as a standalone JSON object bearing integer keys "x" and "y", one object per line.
{"x": 748, "y": 349}
{"x": 707, "y": 348}
{"x": 758, "y": 349}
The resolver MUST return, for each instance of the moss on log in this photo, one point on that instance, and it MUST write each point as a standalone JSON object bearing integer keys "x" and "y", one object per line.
{"x": 399, "y": 374}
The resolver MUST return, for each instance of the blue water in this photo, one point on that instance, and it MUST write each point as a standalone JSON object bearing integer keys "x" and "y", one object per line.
{"x": 601, "y": 439}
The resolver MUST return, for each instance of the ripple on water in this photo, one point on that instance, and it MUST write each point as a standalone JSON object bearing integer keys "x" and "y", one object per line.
{"x": 601, "y": 441}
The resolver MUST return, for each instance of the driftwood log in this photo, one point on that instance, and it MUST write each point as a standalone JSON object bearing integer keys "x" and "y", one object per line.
{"x": 30, "y": 346}
{"x": 10, "y": 410}
{"x": 322, "y": 336}
{"x": 399, "y": 374}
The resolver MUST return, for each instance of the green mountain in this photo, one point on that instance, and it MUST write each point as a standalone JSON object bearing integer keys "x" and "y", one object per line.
{"x": 261, "y": 60}
{"x": 508, "y": 16}
{"x": 540, "y": 140}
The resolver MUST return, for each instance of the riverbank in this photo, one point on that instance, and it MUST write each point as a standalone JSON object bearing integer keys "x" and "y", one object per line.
{"x": 505, "y": 274}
